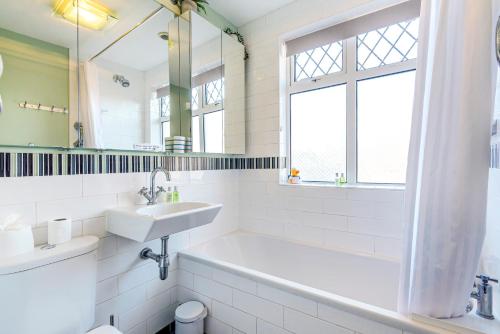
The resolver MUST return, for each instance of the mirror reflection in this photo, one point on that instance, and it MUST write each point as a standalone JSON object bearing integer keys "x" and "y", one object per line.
{"x": 37, "y": 74}
{"x": 125, "y": 75}
{"x": 218, "y": 89}
{"x": 124, "y": 88}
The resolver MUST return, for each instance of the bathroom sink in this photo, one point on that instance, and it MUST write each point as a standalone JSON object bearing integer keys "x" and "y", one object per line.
{"x": 148, "y": 222}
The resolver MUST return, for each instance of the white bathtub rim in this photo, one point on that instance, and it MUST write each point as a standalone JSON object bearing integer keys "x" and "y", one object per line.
{"x": 371, "y": 312}
{"x": 311, "y": 244}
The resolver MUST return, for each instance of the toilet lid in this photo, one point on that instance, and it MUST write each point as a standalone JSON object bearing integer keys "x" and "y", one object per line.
{"x": 190, "y": 312}
{"x": 105, "y": 330}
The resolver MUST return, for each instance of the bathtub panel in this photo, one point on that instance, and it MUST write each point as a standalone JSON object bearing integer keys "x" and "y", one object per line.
{"x": 301, "y": 323}
{"x": 242, "y": 261}
{"x": 348, "y": 320}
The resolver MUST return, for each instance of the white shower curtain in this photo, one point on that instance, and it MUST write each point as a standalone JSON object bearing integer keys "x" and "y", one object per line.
{"x": 90, "y": 108}
{"x": 447, "y": 177}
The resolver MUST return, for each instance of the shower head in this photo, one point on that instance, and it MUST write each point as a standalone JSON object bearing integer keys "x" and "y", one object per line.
{"x": 163, "y": 35}
{"x": 121, "y": 80}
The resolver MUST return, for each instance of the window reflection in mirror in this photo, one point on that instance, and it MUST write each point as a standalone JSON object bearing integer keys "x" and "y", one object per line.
{"x": 218, "y": 89}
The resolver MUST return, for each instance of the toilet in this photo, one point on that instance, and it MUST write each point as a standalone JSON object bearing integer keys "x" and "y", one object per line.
{"x": 51, "y": 290}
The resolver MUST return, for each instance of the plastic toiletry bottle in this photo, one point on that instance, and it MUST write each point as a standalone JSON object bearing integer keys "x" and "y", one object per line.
{"x": 175, "y": 195}
{"x": 337, "y": 179}
{"x": 342, "y": 179}
{"x": 169, "y": 195}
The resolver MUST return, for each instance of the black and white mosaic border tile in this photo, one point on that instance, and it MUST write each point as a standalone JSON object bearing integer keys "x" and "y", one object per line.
{"x": 48, "y": 164}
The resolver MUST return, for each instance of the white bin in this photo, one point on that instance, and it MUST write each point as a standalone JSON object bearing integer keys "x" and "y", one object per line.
{"x": 189, "y": 318}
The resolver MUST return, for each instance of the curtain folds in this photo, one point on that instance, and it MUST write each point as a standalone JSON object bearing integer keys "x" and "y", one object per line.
{"x": 447, "y": 176}
{"x": 90, "y": 110}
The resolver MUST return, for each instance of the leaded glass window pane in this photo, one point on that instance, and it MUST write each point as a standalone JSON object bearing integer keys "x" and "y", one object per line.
{"x": 214, "y": 92}
{"x": 195, "y": 98}
{"x": 392, "y": 44}
{"x": 165, "y": 106}
{"x": 320, "y": 61}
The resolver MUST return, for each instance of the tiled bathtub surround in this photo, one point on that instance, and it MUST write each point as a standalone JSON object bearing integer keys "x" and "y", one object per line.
{"x": 364, "y": 220}
{"x": 127, "y": 287}
{"x": 47, "y": 164}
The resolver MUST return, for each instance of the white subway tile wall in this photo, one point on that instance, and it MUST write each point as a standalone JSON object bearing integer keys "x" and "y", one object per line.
{"x": 360, "y": 220}
{"x": 127, "y": 287}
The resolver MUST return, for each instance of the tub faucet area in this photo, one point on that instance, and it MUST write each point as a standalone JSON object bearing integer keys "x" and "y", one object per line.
{"x": 484, "y": 296}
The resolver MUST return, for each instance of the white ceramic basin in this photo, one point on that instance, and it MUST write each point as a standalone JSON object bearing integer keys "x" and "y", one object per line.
{"x": 148, "y": 222}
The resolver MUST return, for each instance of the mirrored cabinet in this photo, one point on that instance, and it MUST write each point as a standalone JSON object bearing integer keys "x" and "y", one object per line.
{"x": 132, "y": 76}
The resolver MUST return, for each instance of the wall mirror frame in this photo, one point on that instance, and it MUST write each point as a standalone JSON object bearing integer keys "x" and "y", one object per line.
{"x": 160, "y": 77}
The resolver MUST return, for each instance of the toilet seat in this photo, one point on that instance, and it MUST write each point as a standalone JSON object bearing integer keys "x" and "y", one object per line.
{"x": 105, "y": 330}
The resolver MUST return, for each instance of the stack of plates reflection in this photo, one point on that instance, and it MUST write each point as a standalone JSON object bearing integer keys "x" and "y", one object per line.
{"x": 178, "y": 144}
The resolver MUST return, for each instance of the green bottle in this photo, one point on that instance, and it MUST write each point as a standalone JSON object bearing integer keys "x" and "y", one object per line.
{"x": 175, "y": 195}
{"x": 342, "y": 179}
{"x": 169, "y": 195}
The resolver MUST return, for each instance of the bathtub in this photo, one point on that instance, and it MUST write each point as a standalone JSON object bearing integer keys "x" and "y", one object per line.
{"x": 286, "y": 287}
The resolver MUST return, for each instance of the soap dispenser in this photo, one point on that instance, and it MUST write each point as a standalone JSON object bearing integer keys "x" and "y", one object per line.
{"x": 175, "y": 195}
{"x": 169, "y": 195}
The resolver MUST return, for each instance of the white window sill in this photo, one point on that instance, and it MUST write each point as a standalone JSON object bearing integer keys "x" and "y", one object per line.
{"x": 347, "y": 186}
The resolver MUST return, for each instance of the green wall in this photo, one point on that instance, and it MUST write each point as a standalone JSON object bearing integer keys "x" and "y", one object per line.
{"x": 36, "y": 72}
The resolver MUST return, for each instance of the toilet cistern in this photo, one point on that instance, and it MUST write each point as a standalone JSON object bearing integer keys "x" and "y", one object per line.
{"x": 152, "y": 193}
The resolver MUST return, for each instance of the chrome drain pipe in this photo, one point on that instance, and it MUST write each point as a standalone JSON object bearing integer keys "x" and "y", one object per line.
{"x": 161, "y": 259}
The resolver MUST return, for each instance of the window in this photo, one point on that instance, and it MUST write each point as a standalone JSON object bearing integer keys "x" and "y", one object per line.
{"x": 213, "y": 128}
{"x": 350, "y": 105}
{"x": 317, "y": 62}
{"x": 213, "y": 92}
{"x": 329, "y": 105}
{"x": 164, "y": 109}
{"x": 384, "y": 121}
{"x": 208, "y": 117}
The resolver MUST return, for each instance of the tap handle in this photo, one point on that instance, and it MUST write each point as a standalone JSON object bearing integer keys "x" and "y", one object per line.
{"x": 485, "y": 279}
{"x": 161, "y": 189}
{"x": 143, "y": 190}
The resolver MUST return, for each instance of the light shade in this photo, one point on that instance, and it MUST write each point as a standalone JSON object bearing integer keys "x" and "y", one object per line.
{"x": 86, "y": 13}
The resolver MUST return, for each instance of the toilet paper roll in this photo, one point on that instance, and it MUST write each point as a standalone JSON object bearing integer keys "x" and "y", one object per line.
{"x": 15, "y": 240}
{"x": 59, "y": 231}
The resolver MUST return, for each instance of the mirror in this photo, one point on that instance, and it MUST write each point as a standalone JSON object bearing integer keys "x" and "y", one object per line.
{"x": 38, "y": 85}
{"x": 125, "y": 93}
{"x": 124, "y": 75}
{"x": 218, "y": 89}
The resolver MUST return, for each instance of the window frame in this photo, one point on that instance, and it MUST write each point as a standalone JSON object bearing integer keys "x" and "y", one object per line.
{"x": 349, "y": 75}
{"x": 163, "y": 119}
{"x": 203, "y": 109}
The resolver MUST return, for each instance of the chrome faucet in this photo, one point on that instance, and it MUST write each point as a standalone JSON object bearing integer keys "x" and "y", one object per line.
{"x": 484, "y": 297}
{"x": 152, "y": 193}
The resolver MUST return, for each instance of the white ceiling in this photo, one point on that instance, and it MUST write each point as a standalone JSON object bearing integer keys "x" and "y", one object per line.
{"x": 34, "y": 18}
{"x": 240, "y": 12}
{"x": 142, "y": 49}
